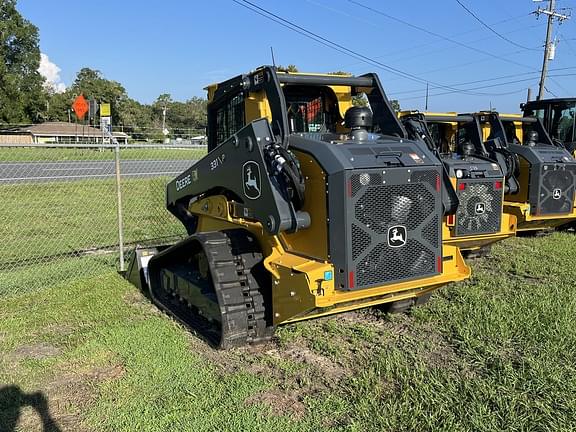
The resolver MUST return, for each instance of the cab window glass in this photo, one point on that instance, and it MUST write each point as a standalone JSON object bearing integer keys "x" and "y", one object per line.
{"x": 306, "y": 115}
{"x": 510, "y": 131}
{"x": 563, "y": 122}
{"x": 230, "y": 118}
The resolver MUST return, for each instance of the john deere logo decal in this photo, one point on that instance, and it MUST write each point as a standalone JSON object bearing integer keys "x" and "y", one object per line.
{"x": 397, "y": 236}
{"x": 480, "y": 208}
{"x": 251, "y": 180}
{"x": 557, "y": 193}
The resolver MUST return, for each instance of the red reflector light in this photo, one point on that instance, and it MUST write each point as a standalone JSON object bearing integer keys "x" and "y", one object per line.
{"x": 437, "y": 182}
{"x": 461, "y": 186}
{"x": 450, "y": 220}
{"x": 498, "y": 185}
{"x": 351, "y": 279}
{"x": 439, "y": 264}
{"x": 349, "y": 188}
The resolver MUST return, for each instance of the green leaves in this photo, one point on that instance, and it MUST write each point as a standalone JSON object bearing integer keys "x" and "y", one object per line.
{"x": 22, "y": 96}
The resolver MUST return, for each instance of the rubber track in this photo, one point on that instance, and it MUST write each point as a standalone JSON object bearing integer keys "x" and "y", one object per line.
{"x": 232, "y": 257}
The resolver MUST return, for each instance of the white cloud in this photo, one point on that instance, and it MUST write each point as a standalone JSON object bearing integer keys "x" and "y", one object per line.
{"x": 51, "y": 72}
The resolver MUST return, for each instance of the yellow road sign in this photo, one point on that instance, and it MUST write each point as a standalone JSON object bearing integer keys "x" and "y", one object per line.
{"x": 104, "y": 110}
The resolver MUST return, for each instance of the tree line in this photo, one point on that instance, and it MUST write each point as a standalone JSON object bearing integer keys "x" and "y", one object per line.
{"x": 26, "y": 97}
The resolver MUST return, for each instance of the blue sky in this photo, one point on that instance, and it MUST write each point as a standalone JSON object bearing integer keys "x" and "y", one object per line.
{"x": 179, "y": 47}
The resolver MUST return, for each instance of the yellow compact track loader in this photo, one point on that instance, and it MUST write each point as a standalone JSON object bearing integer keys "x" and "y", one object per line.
{"x": 304, "y": 206}
{"x": 558, "y": 117}
{"x": 540, "y": 174}
{"x": 479, "y": 179}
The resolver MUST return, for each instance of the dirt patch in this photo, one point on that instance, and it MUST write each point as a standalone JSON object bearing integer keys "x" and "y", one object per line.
{"x": 280, "y": 403}
{"x": 60, "y": 329}
{"x": 332, "y": 371}
{"x": 65, "y": 397}
{"x": 243, "y": 359}
{"x": 439, "y": 353}
{"x": 399, "y": 323}
{"x": 424, "y": 339}
{"x": 138, "y": 301}
{"x": 37, "y": 351}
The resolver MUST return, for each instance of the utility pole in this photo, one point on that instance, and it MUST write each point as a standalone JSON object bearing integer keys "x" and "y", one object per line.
{"x": 164, "y": 130}
{"x": 552, "y": 15}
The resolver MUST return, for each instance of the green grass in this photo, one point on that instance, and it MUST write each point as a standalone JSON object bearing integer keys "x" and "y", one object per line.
{"x": 44, "y": 226}
{"x": 44, "y": 219}
{"x": 14, "y": 154}
{"x": 497, "y": 352}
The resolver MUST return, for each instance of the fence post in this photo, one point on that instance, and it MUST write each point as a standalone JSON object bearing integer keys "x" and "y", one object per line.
{"x": 119, "y": 205}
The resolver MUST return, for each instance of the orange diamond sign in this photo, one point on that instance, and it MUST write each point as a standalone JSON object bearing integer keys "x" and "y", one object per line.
{"x": 80, "y": 106}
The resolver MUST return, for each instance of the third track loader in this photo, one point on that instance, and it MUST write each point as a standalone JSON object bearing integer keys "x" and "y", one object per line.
{"x": 544, "y": 173}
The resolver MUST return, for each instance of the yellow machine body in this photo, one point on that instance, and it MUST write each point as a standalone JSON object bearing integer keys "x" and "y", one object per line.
{"x": 517, "y": 204}
{"x": 516, "y": 207}
{"x": 298, "y": 266}
{"x": 472, "y": 242}
{"x": 298, "y": 261}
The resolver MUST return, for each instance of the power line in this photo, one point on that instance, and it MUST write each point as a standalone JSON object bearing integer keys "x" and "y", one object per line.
{"x": 336, "y": 46}
{"x": 405, "y": 49}
{"x": 491, "y": 79}
{"x": 379, "y": 12}
{"x": 549, "y": 46}
{"x": 568, "y": 44}
{"x": 551, "y": 92}
{"x": 438, "y": 35}
{"x": 490, "y": 86}
{"x": 342, "y": 49}
{"x": 477, "y": 18}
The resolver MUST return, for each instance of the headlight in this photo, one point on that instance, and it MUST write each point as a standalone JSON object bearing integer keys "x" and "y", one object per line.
{"x": 459, "y": 173}
{"x": 364, "y": 179}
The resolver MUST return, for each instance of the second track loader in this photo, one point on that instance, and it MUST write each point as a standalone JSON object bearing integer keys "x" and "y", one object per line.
{"x": 479, "y": 177}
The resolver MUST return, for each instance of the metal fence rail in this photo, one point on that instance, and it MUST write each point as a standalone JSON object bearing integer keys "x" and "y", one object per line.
{"x": 60, "y": 208}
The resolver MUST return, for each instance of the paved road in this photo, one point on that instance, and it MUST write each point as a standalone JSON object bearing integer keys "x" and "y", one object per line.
{"x": 25, "y": 172}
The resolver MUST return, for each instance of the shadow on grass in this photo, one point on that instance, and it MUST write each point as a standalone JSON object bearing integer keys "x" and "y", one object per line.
{"x": 12, "y": 400}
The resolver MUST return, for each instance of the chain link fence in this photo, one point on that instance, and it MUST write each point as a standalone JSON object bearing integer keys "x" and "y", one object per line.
{"x": 59, "y": 213}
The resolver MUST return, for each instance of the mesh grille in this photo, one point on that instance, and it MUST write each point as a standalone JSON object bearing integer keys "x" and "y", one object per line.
{"x": 361, "y": 241}
{"x": 480, "y": 209}
{"x": 364, "y": 179}
{"x": 387, "y": 264}
{"x": 557, "y": 191}
{"x": 381, "y": 207}
{"x": 430, "y": 177}
{"x": 430, "y": 233}
{"x": 378, "y": 209}
{"x": 230, "y": 118}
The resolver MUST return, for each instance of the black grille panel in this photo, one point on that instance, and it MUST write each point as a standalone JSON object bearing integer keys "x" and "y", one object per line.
{"x": 480, "y": 209}
{"x": 386, "y": 264}
{"x": 380, "y": 207}
{"x": 556, "y": 193}
{"x": 385, "y": 200}
{"x": 361, "y": 241}
{"x": 430, "y": 233}
{"x": 364, "y": 179}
